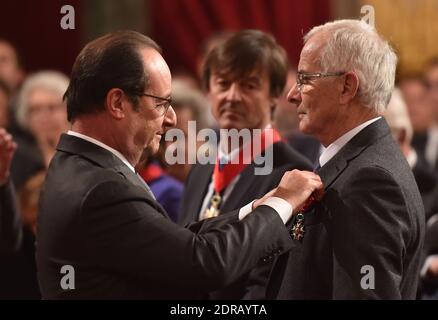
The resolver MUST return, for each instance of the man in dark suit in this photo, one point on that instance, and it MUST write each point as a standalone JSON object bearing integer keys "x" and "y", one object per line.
{"x": 364, "y": 239}
{"x": 101, "y": 233}
{"x": 244, "y": 76}
{"x": 10, "y": 223}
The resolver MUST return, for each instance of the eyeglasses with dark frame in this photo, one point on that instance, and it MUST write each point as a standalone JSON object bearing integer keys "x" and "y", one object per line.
{"x": 304, "y": 77}
{"x": 162, "y": 107}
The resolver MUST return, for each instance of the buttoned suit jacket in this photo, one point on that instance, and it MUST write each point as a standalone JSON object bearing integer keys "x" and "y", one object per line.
{"x": 364, "y": 239}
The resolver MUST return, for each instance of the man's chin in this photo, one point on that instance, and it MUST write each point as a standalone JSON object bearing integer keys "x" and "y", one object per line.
{"x": 230, "y": 124}
{"x": 303, "y": 127}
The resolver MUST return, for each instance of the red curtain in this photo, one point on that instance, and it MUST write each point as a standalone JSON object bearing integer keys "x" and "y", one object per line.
{"x": 182, "y": 26}
{"x": 34, "y": 28}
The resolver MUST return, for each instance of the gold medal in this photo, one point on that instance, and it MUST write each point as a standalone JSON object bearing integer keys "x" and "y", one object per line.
{"x": 213, "y": 211}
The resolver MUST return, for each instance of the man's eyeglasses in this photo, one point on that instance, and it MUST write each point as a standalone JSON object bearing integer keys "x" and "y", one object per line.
{"x": 304, "y": 77}
{"x": 161, "y": 107}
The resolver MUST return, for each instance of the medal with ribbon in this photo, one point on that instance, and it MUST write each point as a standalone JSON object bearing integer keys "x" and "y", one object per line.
{"x": 223, "y": 174}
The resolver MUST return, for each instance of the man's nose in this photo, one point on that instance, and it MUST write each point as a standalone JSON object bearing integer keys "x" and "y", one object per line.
{"x": 294, "y": 95}
{"x": 170, "y": 118}
{"x": 233, "y": 93}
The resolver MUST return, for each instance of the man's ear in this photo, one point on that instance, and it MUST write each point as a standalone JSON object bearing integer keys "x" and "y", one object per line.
{"x": 350, "y": 87}
{"x": 115, "y": 103}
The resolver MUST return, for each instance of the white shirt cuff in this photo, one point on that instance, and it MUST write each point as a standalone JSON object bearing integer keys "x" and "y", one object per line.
{"x": 244, "y": 211}
{"x": 281, "y": 206}
{"x": 426, "y": 264}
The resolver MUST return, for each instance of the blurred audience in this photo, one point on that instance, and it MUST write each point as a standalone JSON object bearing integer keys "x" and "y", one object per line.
{"x": 421, "y": 112}
{"x": 189, "y": 104}
{"x": 10, "y": 227}
{"x": 11, "y": 67}
{"x": 431, "y": 148}
{"x": 398, "y": 120}
{"x": 17, "y": 240}
{"x": 41, "y": 112}
{"x": 285, "y": 115}
{"x": 4, "y": 105}
{"x": 18, "y": 274}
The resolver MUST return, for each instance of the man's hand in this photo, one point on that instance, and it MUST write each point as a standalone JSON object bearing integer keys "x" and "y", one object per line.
{"x": 260, "y": 201}
{"x": 297, "y": 186}
{"x": 7, "y": 150}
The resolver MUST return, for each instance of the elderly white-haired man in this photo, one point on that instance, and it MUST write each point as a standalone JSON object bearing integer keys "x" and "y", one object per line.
{"x": 363, "y": 239}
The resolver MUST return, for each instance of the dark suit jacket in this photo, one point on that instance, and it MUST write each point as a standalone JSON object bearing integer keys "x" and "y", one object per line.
{"x": 96, "y": 216}
{"x": 371, "y": 215}
{"x": 248, "y": 187}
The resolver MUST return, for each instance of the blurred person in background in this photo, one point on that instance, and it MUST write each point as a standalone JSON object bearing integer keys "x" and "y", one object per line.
{"x": 431, "y": 147}
{"x": 285, "y": 116}
{"x": 41, "y": 112}
{"x": 17, "y": 236}
{"x": 12, "y": 74}
{"x": 18, "y": 274}
{"x": 189, "y": 104}
{"x": 421, "y": 112}
{"x": 10, "y": 227}
{"x": 4, "y": 105}
{"x": 11, "y": 68}
{"x": 244, "y": 76}
{"x": 398, "y": 120}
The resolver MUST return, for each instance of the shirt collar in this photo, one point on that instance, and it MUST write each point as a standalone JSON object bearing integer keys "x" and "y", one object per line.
{"x": 337, "y": 145}
{"x": 102, "y": 145}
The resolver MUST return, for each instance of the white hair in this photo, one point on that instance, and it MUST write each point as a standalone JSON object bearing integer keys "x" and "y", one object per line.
{"x": 354, "y": 45}
{"x": 397, "y": 115}
{"x": 53, "y": 81}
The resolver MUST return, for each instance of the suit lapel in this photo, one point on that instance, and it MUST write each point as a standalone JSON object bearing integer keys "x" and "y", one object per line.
{"x": 368, "y": 136}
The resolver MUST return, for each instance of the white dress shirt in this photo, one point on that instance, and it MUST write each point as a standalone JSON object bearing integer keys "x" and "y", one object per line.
{"x": 339, "y": 143}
